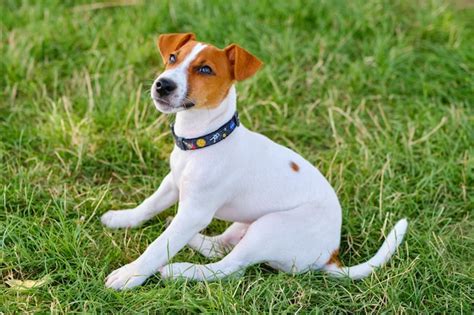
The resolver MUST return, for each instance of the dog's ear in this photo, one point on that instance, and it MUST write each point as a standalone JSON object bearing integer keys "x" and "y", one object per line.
{"x": 243, "y": 64}
{"x": 168, "y": 43}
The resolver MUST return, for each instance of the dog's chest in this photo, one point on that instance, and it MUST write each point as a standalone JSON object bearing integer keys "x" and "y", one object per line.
{"x": 178, "y": 162}
{"x": 191, "y": 166}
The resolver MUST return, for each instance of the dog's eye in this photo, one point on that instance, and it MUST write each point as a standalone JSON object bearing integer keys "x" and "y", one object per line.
{"x": 172, "y": 59}
{"x": 205, "y": 70}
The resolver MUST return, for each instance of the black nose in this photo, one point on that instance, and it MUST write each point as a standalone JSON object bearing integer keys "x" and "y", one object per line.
{"x": 164, "y": 87}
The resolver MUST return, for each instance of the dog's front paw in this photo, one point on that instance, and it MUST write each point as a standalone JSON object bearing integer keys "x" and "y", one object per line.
{"x": 121, "y": 218}
{"x": 126, "y": 277}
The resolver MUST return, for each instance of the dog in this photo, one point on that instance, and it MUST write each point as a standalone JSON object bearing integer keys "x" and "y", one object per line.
{"x": 284, "y": 212}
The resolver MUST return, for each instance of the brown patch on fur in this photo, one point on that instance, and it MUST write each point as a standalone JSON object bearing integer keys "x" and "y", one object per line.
{"x": 208, "y": 90}
{"x": 181, "y": 54}
{"x": 244, "y": 64}
{"x": 334, "y": 259}
{"x": 169, "y": 43}
{"x": 295, "y": 167}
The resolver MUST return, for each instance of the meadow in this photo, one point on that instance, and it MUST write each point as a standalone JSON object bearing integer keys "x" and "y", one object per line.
{"x": 379, "y": 95}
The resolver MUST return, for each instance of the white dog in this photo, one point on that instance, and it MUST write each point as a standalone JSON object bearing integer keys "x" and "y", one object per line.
{"x": 285, "y": 213}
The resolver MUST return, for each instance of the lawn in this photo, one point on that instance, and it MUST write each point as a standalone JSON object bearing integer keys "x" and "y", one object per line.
{"x": 379, "y": 95}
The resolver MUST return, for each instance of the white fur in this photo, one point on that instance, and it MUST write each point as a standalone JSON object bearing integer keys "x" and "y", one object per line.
{"x": 288, "y": 219}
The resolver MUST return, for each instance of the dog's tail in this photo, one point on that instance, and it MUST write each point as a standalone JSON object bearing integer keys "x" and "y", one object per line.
{"x": 394, "y": 238}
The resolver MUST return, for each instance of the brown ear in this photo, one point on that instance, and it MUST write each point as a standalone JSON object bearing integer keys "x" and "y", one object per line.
{"x": 244, "y": 64}
{"x": 167, "y": 43}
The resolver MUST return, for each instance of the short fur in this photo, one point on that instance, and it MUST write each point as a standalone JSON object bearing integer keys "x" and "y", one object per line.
{"x": 285, "y": 213}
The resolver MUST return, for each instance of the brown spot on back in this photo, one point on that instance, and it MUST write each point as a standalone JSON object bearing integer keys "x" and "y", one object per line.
{"x": 334, "y": 259}
{"x": 295, "y": 167}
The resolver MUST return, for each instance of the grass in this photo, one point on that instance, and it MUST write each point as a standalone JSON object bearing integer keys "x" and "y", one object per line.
{"x": 378, "y": 94}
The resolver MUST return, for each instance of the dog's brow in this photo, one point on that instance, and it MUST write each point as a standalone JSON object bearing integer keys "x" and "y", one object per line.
{"x": 192, "y": 55}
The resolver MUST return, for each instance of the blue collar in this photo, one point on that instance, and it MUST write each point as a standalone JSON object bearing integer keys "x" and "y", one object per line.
{"x": 209, "y": 139}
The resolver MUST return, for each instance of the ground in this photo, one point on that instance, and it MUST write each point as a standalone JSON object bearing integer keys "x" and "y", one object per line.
{"x": 379, "y": 95}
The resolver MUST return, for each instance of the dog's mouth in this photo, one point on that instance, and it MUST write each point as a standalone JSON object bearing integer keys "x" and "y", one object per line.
{"x": 168, "y": 107}
{"x": 188, "y": 104}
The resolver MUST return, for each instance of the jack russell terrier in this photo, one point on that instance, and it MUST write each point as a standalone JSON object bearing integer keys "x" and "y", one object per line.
{"x": 285, "y": 212}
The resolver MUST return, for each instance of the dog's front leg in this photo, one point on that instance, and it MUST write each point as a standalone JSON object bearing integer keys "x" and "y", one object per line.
{"x": 191, "y": 218}
{"x": 164, "y": 197}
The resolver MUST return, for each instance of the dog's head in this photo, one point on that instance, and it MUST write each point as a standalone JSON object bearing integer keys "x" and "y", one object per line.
{"x": 198, "y": 75}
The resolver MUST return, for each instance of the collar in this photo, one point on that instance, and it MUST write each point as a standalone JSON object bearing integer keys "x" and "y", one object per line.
{"x": 209, "y": 139}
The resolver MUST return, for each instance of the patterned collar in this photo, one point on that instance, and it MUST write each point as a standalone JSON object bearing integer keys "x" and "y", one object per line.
{"x": 209, "y": 139}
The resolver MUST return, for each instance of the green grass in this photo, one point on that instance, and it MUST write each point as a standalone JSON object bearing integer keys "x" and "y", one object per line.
{"x": 378, "y": 94}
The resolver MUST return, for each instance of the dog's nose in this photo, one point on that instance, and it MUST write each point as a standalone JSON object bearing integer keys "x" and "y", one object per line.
{"x": 165, "y": 86}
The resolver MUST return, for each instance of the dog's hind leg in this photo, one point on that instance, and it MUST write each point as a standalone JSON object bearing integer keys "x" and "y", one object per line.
{"x": 217, "y": 246}
{"x": 291, "y": 241}
{"x": 256, "y": 245}
{"x": 232, "y": 264}
{"x": 163, "y": 198}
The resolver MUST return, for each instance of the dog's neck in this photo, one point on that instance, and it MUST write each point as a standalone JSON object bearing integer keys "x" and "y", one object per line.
{"x": 193, "y": 123}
